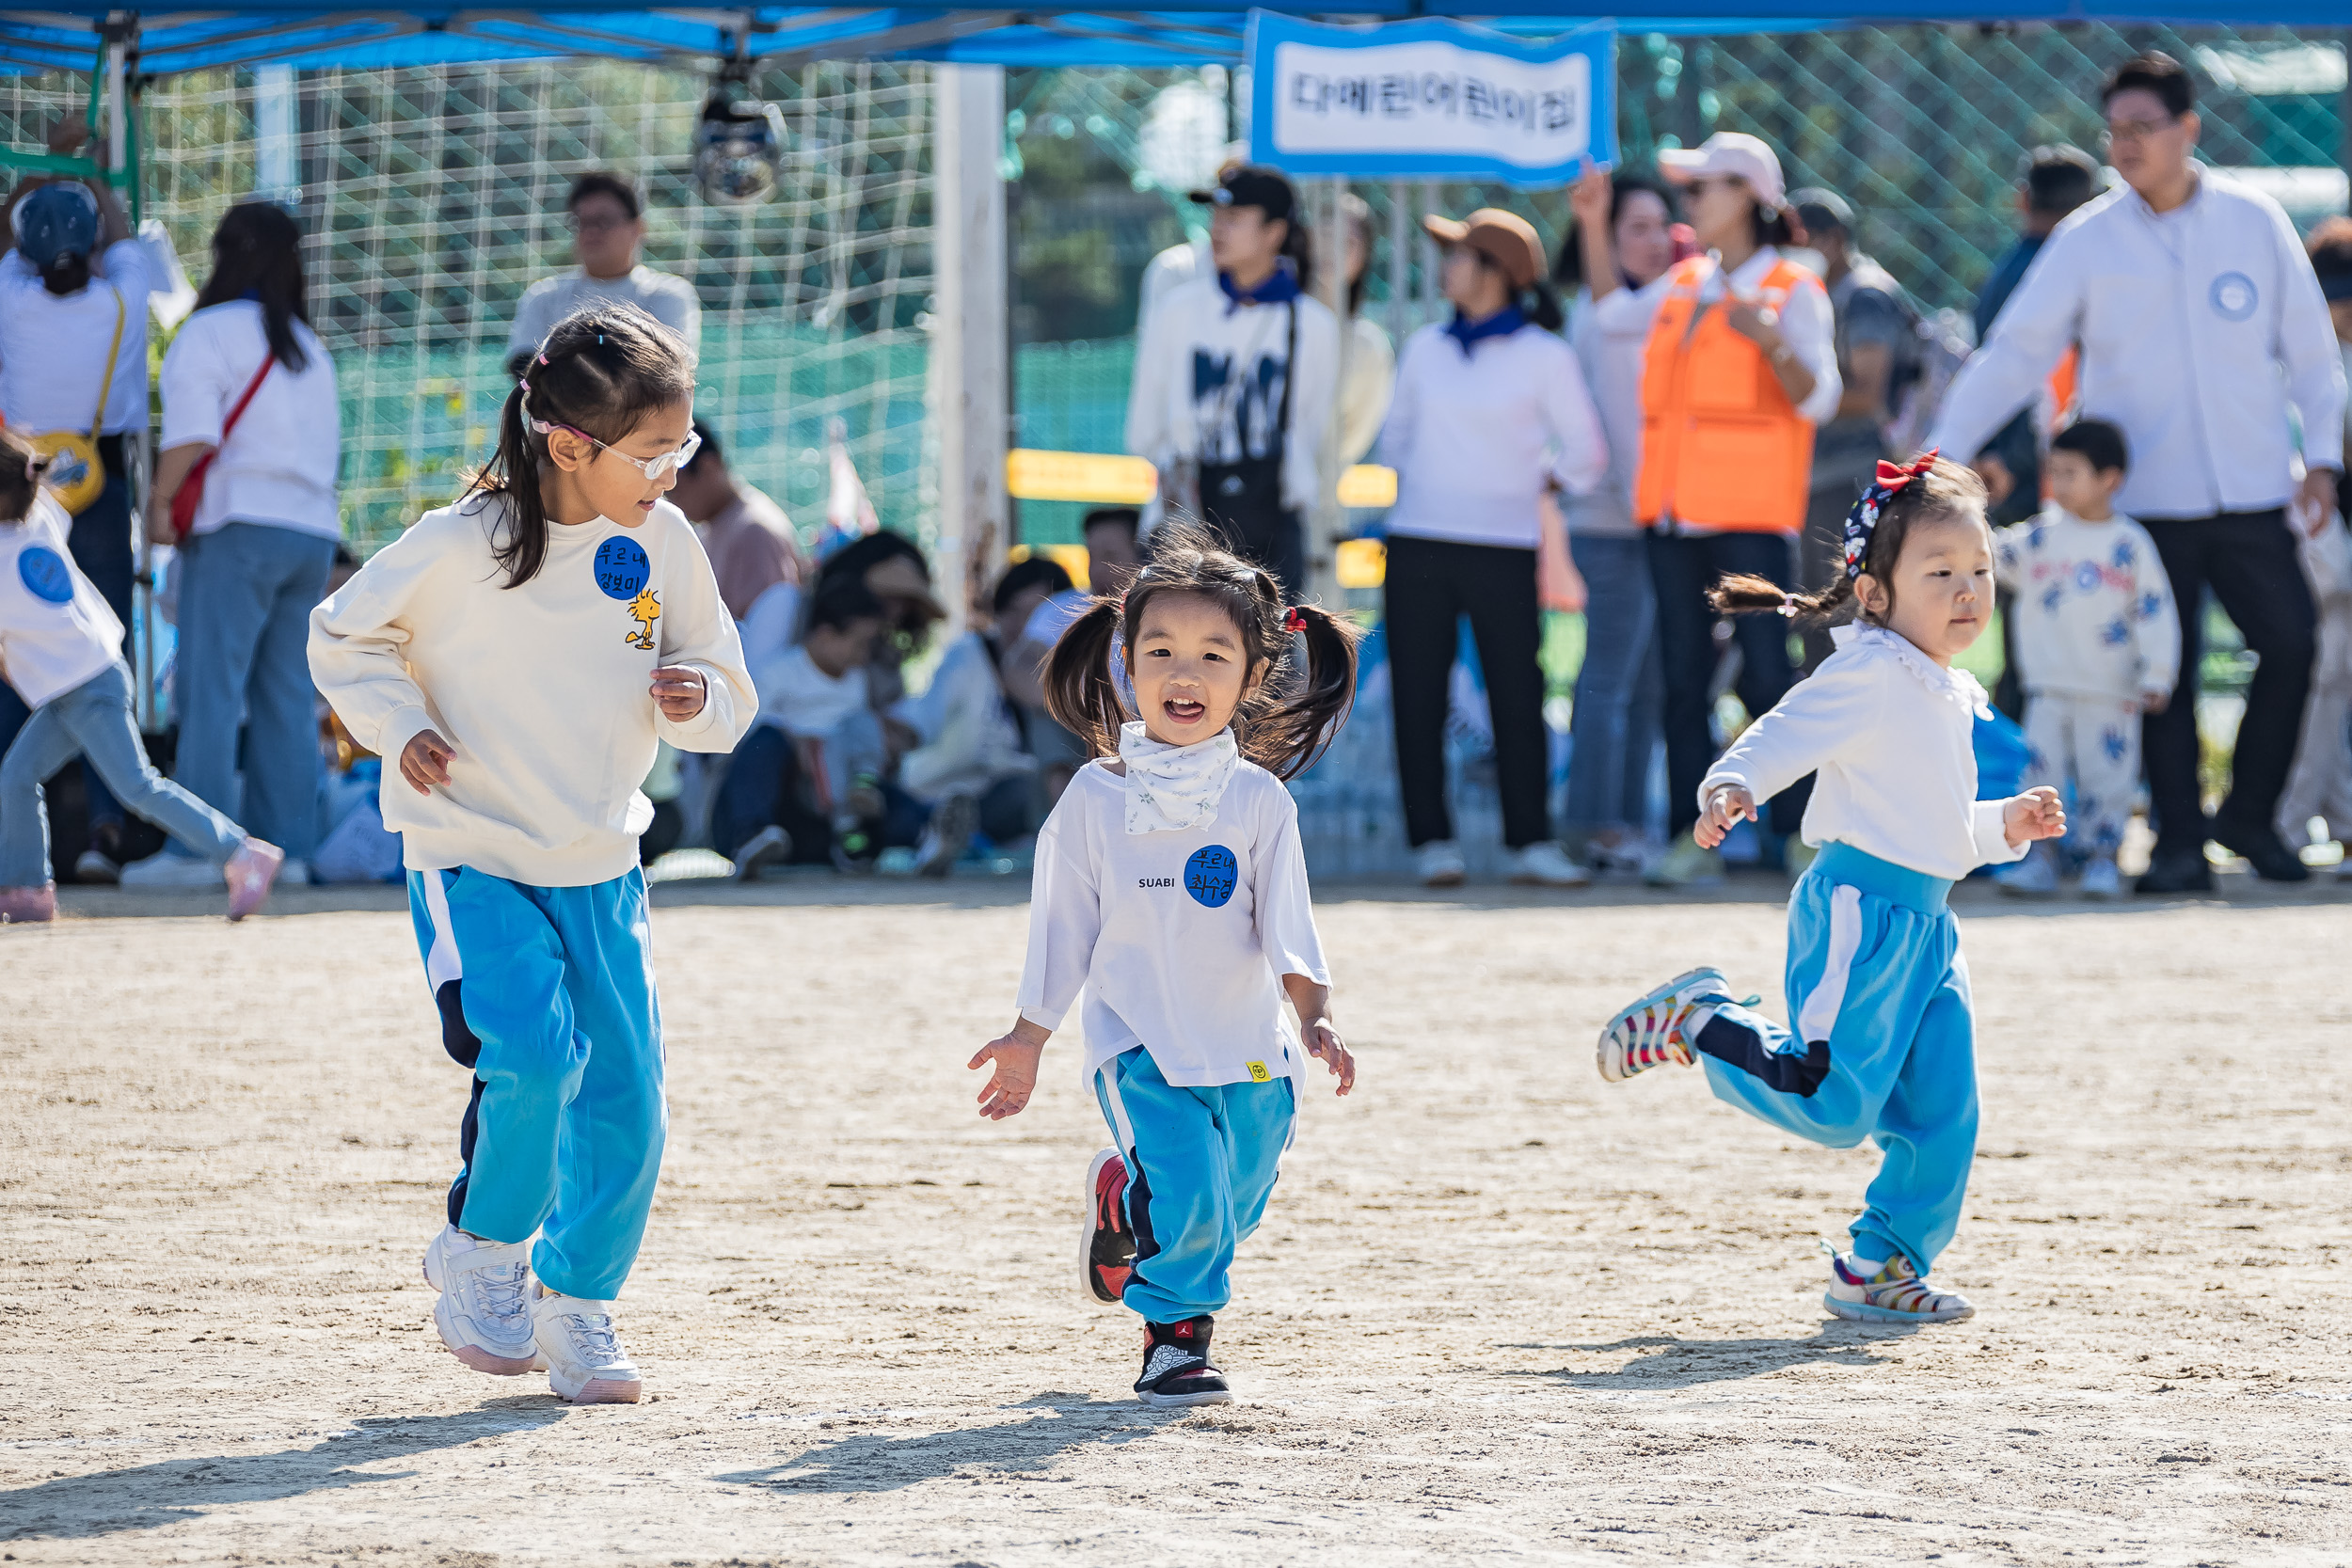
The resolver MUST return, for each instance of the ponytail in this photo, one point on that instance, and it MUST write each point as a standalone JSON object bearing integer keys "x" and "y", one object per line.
{"x": 600, "y": 372}
{"x": 1308, "y": 686}
{"x": 1871, "y": 541}
{"x": 1543, "y": 307}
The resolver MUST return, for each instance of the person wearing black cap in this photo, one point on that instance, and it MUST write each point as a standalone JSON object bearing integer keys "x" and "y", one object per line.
{"x": 1236, "y": 378}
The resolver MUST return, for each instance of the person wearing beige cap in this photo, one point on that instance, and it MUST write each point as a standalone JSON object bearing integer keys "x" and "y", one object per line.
{"x": 1740, "y": 367}
{"x": 1490, "y": 412}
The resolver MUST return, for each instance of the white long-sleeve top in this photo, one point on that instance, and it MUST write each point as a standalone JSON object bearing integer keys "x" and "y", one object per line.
{"x": 2198, "y": 326}
{"x": 56, "y": 631}
{"x": 2093, "y": 615}
{"x": 1179, "y": 939}
{"x": 543, "y": 689}
{"x": 970, "y": 738}
{"x": 1892, "y": 734}
{"x": 1208, "y": 383}
{"x": 1476, "y": 439}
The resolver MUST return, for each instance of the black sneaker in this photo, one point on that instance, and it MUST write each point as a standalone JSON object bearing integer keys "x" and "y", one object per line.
{"x": 2264, "y": 850}
{"x": 1176, "y": 1370}
{"x": 2172, "y": 871}
{"x": 1107, "y": 1247}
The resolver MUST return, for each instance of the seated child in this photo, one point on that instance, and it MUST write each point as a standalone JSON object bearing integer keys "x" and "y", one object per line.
{"x": 799, "y": 779}
{"x": 61, "y": 648}
{"x": 2098, "y": 644}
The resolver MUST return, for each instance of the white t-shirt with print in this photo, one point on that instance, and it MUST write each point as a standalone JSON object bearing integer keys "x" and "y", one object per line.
{"x": 56, "y": 631}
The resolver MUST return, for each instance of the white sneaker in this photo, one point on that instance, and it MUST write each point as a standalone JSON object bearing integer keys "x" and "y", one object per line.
{"x": 2102, "y": 880}
{"x": 1546, "y": 865}
{"x": 1438, "y": 864}
{"x": 295, "y": 872}
{"x": 166, "y": 869}
{"x": 94, "y": 866}
{"x": 484, "y": 1311}
{"x": 764, "y": 848}
{"x": 2035, "y": 876}
{"x": 585, "y": 1362}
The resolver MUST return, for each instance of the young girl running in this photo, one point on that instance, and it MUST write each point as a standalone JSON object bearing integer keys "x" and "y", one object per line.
{"x": 1884, "y": 1037}
{"x": 61, "y": 649}
{"x": 1170, "y": 886}
{"x": 519, "y": 655}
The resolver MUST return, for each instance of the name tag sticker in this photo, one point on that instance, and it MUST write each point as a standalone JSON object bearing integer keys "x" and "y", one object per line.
{"x": 1258, "y": 1074}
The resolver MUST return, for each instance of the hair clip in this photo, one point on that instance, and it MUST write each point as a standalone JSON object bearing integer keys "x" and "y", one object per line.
{"x": 524, "y": 385}
{"x": 1293, "y": 620}
{"x": 600, "y": 339}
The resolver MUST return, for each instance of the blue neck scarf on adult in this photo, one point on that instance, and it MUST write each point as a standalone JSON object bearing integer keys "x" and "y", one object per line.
{"x": 1279, "y": 289}
{"x": 1500, "y": 325}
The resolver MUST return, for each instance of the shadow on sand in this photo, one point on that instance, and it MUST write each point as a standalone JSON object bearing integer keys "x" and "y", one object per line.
{"x": 877, "y": 1462}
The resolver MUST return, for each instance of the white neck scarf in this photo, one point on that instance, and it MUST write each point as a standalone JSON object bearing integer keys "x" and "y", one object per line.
{"x": 1173, "y": 788}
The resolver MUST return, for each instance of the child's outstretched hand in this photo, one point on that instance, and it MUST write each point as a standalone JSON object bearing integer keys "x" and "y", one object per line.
{"x": 681, "y": 691}
{"x": 424, "y": 761}
{"x": 2037, "y": 813}
{"x": 1015, "y": 1053}
{"x": 1727, "y": 805}
{"x": 1323, "y": 1043}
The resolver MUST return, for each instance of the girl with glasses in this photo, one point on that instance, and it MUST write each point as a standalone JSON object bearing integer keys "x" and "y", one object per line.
{"x": 517, "y": 655}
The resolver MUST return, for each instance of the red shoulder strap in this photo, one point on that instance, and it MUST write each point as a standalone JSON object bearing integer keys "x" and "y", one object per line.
{"x": 252, "y": 386}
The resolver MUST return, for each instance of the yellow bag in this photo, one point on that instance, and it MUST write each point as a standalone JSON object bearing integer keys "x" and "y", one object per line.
{"x": 76, "y": 475}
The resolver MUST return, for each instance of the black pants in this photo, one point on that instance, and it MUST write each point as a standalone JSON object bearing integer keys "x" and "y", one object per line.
{"x": 1431, "y": 584}
{"x": 1684, "y": 566}
{"x": 2248, "y": 559}
{"x": 1276, "y": 541}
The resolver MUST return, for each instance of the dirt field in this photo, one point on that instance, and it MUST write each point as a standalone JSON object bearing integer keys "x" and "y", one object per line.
{"x": 1499, "y": 1308}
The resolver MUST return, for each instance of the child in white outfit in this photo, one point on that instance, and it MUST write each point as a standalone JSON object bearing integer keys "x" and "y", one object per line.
{"x": 2098, "y": 645}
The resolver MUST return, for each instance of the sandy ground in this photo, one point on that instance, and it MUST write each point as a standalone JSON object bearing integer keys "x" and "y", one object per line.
{"x": 1498, "y": 1309}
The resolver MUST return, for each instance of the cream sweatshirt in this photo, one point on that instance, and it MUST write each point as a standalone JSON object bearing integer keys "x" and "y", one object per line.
{"x": 543, "y": 689}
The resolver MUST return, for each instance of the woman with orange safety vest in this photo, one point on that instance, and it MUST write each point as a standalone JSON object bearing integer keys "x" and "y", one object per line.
{"x": 1742, "y": 364}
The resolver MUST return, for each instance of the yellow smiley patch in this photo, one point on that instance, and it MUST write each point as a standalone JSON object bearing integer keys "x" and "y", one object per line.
{"x": 1258, "y": 1074}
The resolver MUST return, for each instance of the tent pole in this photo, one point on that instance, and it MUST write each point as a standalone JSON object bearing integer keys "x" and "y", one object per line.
{"x": 1326, "y": 200}
{"x": 118, "y": 32}
{"x": 970, "y": 332}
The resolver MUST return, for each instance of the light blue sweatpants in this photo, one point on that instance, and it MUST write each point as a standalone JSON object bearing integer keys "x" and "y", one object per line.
{"x": 547, "y": 995}
{"x": 1883, "y": 1047}
{"x": 1200, "y": 1166}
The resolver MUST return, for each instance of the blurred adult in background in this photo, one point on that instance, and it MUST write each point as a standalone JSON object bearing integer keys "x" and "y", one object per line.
{"x": 1236, "y": 378}
{"x": 2331, "y": 260}
{"x": 1616, "y": 263}
{"x": 256, "y": 561}
{"x": 2057, "y": 179}
{"x": 1739, "y": 369}
{"x": 2320, "y": 784}
{"x": 1490, "y": 412}
{"x": 1368, "y": 366}
{"x": 73, "y": 359}
{"x": 2201, "y": 322}
{"x": 747, "y": 536}
{"x": 607, "y": 228}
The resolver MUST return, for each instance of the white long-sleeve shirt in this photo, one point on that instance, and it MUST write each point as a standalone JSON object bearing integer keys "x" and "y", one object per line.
{"x": 1208, "y": 383}
{"x": 1475, "y": 438}
{"x": 2199, "y": 327}
{"x": 2093, "y": 615}
{"x": 1179, "y": 939}
{"x": 56, "y": 631}
{"x": 1892, "y": 734}
{"x": 970, "y": 738}
{"x": 542, "y": 690}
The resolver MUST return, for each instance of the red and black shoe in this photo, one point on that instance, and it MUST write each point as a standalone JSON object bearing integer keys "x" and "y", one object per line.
{"x": 1106, "y": 1245}
{"x": 1176, "y": 1370}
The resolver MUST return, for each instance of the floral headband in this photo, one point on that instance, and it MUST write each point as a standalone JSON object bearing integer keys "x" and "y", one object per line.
{"x": 1863, "y": 521}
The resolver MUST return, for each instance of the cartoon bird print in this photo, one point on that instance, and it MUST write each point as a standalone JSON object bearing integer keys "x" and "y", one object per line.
{"x": 645, "y": 608}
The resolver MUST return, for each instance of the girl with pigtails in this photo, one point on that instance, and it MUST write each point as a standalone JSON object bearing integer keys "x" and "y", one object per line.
{"x": 1171, "y": 887}
{"x": 1882, "y": 1038}
{"x": 514, "y": 658}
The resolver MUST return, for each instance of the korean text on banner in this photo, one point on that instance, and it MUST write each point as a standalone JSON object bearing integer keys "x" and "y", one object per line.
{"x": 1430, "y": 100}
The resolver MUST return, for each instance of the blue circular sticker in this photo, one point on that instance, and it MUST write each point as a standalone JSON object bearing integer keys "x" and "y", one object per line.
{"x": 45, "y": 575}
{"x": 2234, "y": 296}
{"x": 1210, "y": 875}
{"x": 622, "y": 569}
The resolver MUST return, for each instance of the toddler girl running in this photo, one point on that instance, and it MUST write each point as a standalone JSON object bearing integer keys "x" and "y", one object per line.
{"x": 1883, "y": 1038}
{"x": 519, "y": 655}
{"x": 61, "y": 648}
{"x": 1170, "y": 886}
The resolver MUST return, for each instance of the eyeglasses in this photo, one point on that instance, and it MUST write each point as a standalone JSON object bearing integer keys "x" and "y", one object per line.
{"x": 2131, "y": 133}
{"x": 579, "y": 225}
{"x": 651, "y": 467}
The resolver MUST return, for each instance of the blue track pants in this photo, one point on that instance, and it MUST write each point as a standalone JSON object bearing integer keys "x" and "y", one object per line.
{"x": 547, "y": 995}
{"x": 1200, "y": 1166}
{"x": 1883, "y": 1047}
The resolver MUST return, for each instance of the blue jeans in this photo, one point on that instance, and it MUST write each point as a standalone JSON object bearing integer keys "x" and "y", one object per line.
{"x": 100, "y": 541}
{"x": 94, "y": 719}
{"x": 246, "y": 598}
{"x": 547, "y": 995}
{"x": 1621, "y": 689}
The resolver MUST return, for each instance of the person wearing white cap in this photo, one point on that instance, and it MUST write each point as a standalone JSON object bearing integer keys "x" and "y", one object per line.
{"x": 1741, "y": 365}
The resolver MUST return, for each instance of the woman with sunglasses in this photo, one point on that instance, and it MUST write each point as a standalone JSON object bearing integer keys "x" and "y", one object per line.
{"x": 1741, "y": 366}
{"x": 515, "y": 658}
{"x": 247, "y": 383}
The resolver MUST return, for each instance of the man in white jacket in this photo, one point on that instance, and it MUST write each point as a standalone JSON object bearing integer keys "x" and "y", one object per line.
{"x": 2200, "y": 321}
